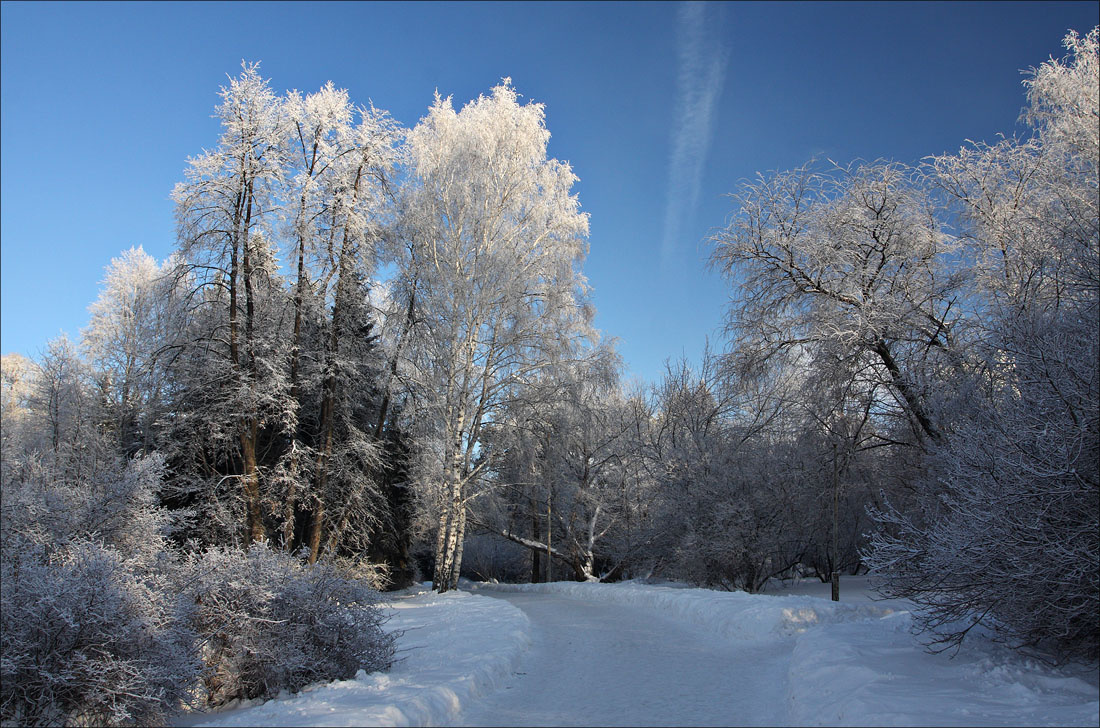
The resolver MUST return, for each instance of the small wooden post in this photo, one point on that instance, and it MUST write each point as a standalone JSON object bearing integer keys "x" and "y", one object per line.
{"x": 836, "y": 524}
{"x": 549, "y": 563}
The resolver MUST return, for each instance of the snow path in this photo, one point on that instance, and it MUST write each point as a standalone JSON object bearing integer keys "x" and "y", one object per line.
{"x": 652, "y": 654}
{"x": 594, "y": 662}
{"x": 792, "y": 657}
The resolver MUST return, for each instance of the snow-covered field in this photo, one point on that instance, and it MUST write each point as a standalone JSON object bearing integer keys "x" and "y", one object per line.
{"x": 569, "y": 653}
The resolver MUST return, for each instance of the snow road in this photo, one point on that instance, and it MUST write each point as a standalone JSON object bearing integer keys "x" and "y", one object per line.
{"x": 598, "y": 663}
{"x": 663, "y": 654}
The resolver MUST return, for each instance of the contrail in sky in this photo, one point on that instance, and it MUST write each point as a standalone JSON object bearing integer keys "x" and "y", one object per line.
{"x": 701, "y": 66}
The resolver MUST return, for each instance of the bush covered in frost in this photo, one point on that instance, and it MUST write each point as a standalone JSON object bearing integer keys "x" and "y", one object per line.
{"x": 87, "y": 639}
{"x": 270, "y": 622}
{"x": 104, "y": 623}
{"x": 117, "y": 507}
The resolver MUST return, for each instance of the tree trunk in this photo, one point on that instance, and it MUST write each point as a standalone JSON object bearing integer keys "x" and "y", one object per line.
{"x": 460, "y": 541}
{"x": 912, "y": 401}
{"x": 440, "y": 542}
{"x": 450, "y": 545}
{"x": 387, "y": 391}
{"x": 248, "y": 425}
{"x": 328, "y": 404}
{"x": 318, "y": 519}
{"x": 328, "y": 389}
{"x": 289, "y": 508}
{"x": 250, "y": 482}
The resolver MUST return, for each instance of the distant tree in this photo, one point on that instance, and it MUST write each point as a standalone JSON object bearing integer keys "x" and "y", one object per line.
{"x": 16, "y": 432}
{"x": 561, "y": 484}
{"x": 127, "y": 328}
{"x": 733, "y": 487}
{"x": 66, "y": 413}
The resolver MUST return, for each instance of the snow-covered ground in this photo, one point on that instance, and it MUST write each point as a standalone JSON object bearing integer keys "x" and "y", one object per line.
{"x": 645, "y": 654}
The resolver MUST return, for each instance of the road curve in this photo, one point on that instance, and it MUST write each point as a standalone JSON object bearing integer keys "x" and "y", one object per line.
{"x": 600, "y": 664}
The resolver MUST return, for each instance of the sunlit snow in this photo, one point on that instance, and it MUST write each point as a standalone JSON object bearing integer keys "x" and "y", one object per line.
{"x": 641, "y": 654}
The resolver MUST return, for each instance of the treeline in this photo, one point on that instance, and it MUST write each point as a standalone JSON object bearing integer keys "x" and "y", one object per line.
{"x": 372, "y": 351}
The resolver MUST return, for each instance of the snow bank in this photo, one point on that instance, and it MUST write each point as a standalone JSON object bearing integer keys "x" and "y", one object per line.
{"x": 875, "y": 673}
{"x": 456, "y": 646}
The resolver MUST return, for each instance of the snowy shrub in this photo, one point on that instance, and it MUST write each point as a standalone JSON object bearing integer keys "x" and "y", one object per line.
{"x": 87, "y": 640}
{"x": 374, "y": 575}
{"x": 117, "y": 508}
{"x": 1008, "y": 535}
{"x": 269, "y": 623}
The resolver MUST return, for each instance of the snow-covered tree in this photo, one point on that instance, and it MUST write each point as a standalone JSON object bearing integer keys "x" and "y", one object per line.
{"x": 561, "y": 484}
{"x": 338, "y": 190}
{"x": 495, "y": 244}
{"x": 850, "y": 268}
{"x": 65, "y": 424}
{"x": 731, "y": 495}
{"x": 225, "y": 213}
{"x": 130, "y": 322}
{"x": 16, "y": 431}
{"x": 1006, "y": 531}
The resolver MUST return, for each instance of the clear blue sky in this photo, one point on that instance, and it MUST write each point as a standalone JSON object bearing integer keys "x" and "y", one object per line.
{"x": 660, "y": 108}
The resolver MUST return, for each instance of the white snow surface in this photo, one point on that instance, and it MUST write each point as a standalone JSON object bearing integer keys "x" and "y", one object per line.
{"x": 570, "y": 653}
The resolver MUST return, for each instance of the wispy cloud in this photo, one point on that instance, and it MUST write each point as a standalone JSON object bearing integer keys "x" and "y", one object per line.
{"x": 701, "y": 65}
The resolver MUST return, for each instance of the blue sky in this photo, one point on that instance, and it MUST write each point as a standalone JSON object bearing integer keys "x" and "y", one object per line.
{"x": 660, "y": 108}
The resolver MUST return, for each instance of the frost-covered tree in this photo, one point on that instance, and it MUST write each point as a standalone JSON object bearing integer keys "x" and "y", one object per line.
{"x": 848, "y": 268}
{"x": 495, "y": 245}
{"x": 562, "y": 483}
{"x": 339, "y": 188}
{"x": 731, "y": 494}
{"x": 130, "y": 321}
{"x": 16, "y": 432}
{"x": 66, "y": 416}
{"x": 225, "y": 211}
{"x": 1005, "y": 533}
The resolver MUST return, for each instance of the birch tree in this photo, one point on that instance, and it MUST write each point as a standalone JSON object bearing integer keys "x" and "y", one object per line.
{"x": 495, "y": 245}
